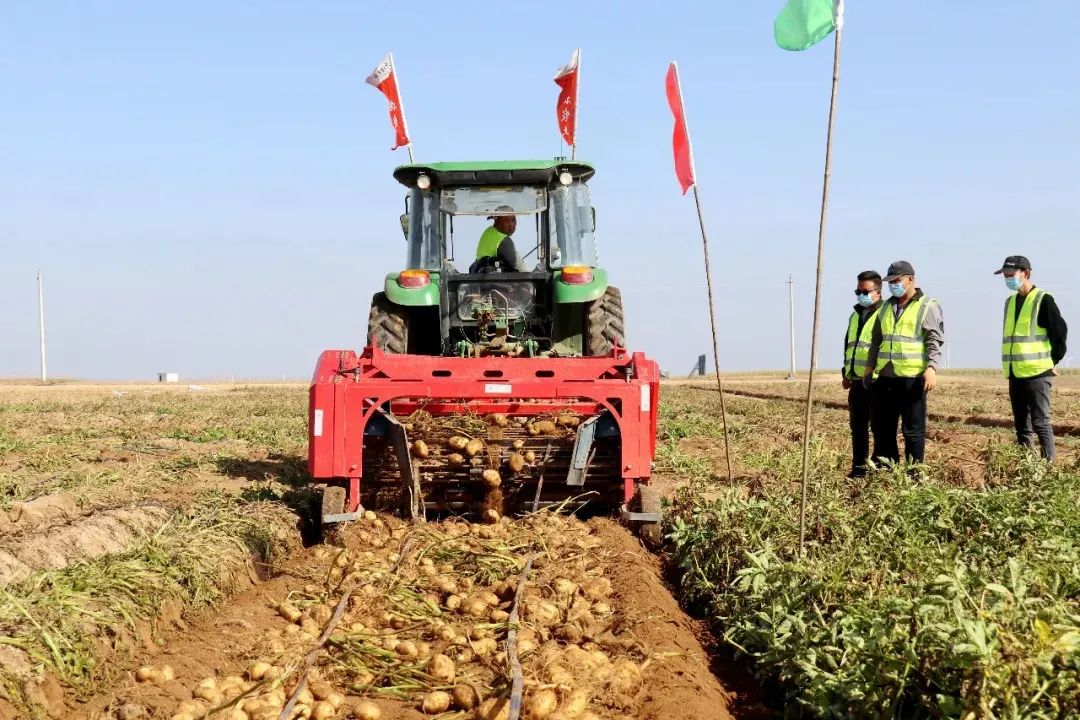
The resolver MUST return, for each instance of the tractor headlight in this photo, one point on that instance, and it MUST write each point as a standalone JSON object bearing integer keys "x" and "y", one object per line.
{"x": 423, "y": 181}
{"x": 565, "y": 178}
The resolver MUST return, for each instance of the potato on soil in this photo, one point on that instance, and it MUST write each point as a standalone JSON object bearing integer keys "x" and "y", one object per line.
{"x": 491, "y": 478}
{"x": 457, "y": 442}
{"x": 366, "y": 710}
{"x": 435, "y": 702}
{"x": 322, "y": 710}
{"x": 474, "y": 447}
{"x": 258, "y": 670}
{"x": 530, "y": 457}
{"x": 516, "y": 463}
{"x": 491, "y": 515}
{"x": 465, "y": 697}
{"x": 420, "y": 449}
{"x": 540, "y": 705}
{"x": 441, "y": 668}
{"x": 493, "y": 709}
{"x": 148, "y": 674}
{"x": 289, "y": 612}
{"x": 455, "y": 460}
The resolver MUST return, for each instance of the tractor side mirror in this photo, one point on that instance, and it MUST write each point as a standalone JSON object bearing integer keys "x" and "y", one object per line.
{"x": 405, "y": 225}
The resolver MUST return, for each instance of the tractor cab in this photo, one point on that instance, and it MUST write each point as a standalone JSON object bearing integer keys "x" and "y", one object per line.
{"x": 477, "y": 283}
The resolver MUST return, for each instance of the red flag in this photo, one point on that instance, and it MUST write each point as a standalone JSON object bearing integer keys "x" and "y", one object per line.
{"x": 384, "y": 78}
{"x": 566, "y": 110}
{"x": 680, "y": 138}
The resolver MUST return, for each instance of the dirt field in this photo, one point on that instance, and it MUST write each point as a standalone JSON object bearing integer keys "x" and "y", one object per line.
{"x": 166, "y": 529}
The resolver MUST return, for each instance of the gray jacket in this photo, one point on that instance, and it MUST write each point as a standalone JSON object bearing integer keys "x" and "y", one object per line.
{"x": 933, "y": 329}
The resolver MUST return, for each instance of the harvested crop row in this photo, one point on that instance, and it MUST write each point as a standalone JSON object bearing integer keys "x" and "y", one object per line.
{"x": 428, "y": 624}
{"x": 60, "y": 620}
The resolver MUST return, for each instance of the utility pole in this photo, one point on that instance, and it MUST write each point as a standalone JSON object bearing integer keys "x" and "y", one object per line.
{"x": 791, "y": 323}
{"x": 41, "y": 325}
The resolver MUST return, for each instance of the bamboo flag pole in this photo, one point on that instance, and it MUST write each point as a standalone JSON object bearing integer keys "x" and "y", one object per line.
{"x": 577, "y": 94}
{"x": 679, "y": 109}
{"x": 41, "y": 325}
{"x": 817, "y": 282}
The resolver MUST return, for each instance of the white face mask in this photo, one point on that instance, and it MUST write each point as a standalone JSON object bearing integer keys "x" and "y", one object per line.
{"x": 896, "y": 289}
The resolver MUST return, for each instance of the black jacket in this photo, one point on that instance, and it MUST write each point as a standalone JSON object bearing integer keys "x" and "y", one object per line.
{"x": 1056, "y": 330}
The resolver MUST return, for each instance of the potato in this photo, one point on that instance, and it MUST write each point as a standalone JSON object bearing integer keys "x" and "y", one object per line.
{"x": 322, "y": 710}
{"x": 475, "y": 607}
{"x": 518, "y": 444}
{"x": 320, "y": 613}
{"x": 539, "y": 705}
{"x": 423, "y": 650}
{"x": 474, "y": 447}
{"x": 493, "y": 709}
{"x": 597, "y": 588}
{"x": 406, "y": 648}
{"x": 420, "y": 449}
{"x": 455, "y": 460}
{"x": 148, "y": 674}
{"x": 485, "y": 647}
{"x": 569, "y": 420}
{"x": 336, "y": 699}
{"x": 452, "y": 602}
{"x": 625, "y": 677}
{"x": 195, "y": 708}
{"x": 289, "y": 612}
{"x": 258, "y": 670}
{"x": 441, "y": 668}
{"x": 320, "y": 689}
{"x": 525, "y": 646}
{"x": 465, "y": 697}
{"x": 499, "y": 616}
{"x": 457, "y": 442}
{"x": 445, "y": 633}
{"x": 435, "y": 702}
{"x": 574, "y": 704}
{"x": 167, "y": 673}
{"x": 565, "y": 587}
{"x": 601, "y": 608}
{"x": 499, "y": 419}
{"x": 541, "y": 427}
{"x": 366, "y": 710}
{"x": 530, "y": 457}
{"x": 491, "y": 478}
{"x": 491, "y": 515}
{"x": 516, "y": 463}
{"x": 210, "y": 695}
{"x": 489, "y": 597}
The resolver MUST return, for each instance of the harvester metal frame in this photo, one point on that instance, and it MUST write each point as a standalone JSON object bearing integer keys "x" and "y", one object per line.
{"x": 348, "y": 391}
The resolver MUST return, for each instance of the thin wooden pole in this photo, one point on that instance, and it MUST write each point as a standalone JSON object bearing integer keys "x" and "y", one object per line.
{"x": 577, "y": 94}
{"x": 817, "y": 281}
{"x": 41, "y": 325}
{"x": 791, "y": 323}
{"x": 712, "y": 325}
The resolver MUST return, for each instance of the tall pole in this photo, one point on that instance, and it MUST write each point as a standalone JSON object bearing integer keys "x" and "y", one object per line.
{"x": 791, "y": 323}
{"x": 401, "y": 102}
{"x": 41, "y": 325}
{"x": 708, "y": 276}
{"x": 817, "y": 281}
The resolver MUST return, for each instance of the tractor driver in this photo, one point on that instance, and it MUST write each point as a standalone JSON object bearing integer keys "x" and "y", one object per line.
{"x": 496, "y": 244}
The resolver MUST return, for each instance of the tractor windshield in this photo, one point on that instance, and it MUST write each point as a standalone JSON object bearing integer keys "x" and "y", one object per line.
{"x": 571, "y": 227}
{"x": 494, "y": 200}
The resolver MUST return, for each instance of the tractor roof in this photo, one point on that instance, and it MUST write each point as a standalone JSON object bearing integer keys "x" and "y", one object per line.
{"x": 498, "y": 172}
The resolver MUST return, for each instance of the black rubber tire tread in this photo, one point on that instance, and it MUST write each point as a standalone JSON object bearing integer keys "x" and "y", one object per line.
{"x": 647, "y": 499}
{"x": 604, "y": 324}
{"x": 388, "y": 326}
{"x": 333, "y": 500}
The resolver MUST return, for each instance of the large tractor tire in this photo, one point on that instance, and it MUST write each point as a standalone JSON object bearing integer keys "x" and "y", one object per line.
{"x": 604, "y": 325}
{"x": 388, "y": 325}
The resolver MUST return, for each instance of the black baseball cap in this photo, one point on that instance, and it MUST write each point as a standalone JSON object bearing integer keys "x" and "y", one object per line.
{"x": 898, "y": 268}
{"x": 1014, "y": 262}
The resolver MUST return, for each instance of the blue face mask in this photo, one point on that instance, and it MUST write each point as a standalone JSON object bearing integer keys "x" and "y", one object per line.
{"x": 896, "y": 289}
{"x": 864, "y": 299}
{"x": 1014, "y": 283}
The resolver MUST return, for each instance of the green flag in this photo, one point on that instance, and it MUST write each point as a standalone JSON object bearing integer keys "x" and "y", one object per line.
{"x": 803, "y": 23}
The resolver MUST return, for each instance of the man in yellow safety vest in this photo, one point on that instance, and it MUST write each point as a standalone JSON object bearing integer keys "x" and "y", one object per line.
{"x": 856, "y": 353}
{"x": 496, "y": 250}
{"x": 1032, "y": 344}
{"x": 905, "y": 352}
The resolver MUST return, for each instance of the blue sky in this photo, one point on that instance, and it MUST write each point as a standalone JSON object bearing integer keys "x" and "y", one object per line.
{"x": 207, "y": 185}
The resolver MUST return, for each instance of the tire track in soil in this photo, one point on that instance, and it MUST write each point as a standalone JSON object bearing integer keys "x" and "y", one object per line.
{"x": 680, "y": 684}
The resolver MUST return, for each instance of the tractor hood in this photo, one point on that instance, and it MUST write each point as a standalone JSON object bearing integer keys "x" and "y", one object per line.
{"x": 500, "y": 172}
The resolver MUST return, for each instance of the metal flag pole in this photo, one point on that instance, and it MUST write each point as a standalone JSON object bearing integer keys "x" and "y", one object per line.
{"x": 791, "y": 324}
{"x": 708, "y": 279}
{"x": 817, "y": 282}
{"x": 401, "y": 102}
{"x": 41, "y": 325}
{"x": 577, "y": 93}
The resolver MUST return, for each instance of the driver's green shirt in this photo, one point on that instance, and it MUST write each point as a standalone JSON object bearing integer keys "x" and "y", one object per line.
{"x": 489, "y": 243}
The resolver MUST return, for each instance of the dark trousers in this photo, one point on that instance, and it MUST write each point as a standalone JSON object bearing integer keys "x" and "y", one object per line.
{"x": 858, "y": 402}
{"x": 895, "y": 399}
{"x": 1031, "y": 412}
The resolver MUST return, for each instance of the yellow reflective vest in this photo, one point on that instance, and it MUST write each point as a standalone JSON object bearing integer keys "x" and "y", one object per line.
{"x": 903, "y": 342}
{"x": 489, "y": 243}
{"x": 857, "y": 345}
{"x": 1025, "y": 346}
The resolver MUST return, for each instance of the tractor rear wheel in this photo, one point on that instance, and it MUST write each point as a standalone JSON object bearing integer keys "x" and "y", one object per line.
{"x": 388, "y": 325}
{"x": 604, "y": 325}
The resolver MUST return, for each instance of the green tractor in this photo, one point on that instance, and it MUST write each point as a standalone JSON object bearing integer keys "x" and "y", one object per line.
{"x": 553, "y": 302}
